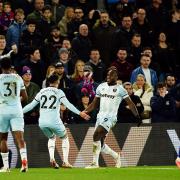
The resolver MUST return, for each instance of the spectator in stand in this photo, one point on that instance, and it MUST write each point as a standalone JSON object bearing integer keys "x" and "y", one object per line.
{"x": 32, "y": 89}
{"x": 2, "y": 30}
{"x": 157, "y": 16}
{"x": 164, "y": 56}
{"x": 36, "y": 64}
{"x": 145, "y": 92}
{"x": 49, "y": 72}
{"x": 46, "y": 22}
{"x": 30, "y": 37}
{"x": 78, "y": 74}
{"x": 99, "y": 69}
{"x": 82, "y": 44}
{"x": 37, "y": 13}
{"x": 135, "y": 50}
{"x": 66, "y": 19}
{"x": 73, "y": 25}
{"x": 149, "y": 74}
{"x": 163, "y": 105}
{"x": 66, "y": 84}
{"x": 3, "y": 49}
{"x": 57, "y": 10}
{"x": 15, "y": 29}
{"x": 173, "y": 34}
{"x": 143, "y": 27}
{"x": 123, "y": 35}
{"x": 88, "y": 83}
{"x": 83, "y": 104}
{"x": 175, "y": 92}
{"x": 67, "y": 62}
{"x": 121, "y": 8}
{"x": 93, "y": 16}
{"x": 52, "y": 45}
{"x": 67, "y": 44}
{"x": 7, "y": 16}
{"x": 124, "y": 113}
{"x": 123, "y": 67}
{"x": 102, "y": 34}
{"x": 170, "y": 81}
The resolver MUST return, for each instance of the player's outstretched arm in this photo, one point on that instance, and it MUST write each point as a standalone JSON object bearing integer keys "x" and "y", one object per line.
{"x": 30, "y": 106}
{"x": 134, "y": 110}
{"x": 93, "y": 105}
{"x": 72, "y": 108}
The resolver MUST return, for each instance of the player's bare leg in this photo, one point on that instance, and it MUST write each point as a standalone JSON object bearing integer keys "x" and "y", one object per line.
{"x": 51, "y": 149}
{"x": 65, "y": 150}
{"x": 19, "y": 136}
{"x": 99, "y": 134}
{"x": 4, "y": 152}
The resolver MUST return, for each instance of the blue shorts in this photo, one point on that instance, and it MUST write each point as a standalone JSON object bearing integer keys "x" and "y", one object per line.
{"x": 11, "y": 122}
{"x": 49, "y": 132}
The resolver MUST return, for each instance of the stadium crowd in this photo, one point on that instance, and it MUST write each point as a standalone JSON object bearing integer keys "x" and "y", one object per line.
{"x": 81, "y": 39}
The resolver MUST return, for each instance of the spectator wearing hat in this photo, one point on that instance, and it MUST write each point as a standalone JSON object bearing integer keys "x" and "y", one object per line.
{"x": 83, "y": 104}
{"x": 65, "y": 84}
{"x": 32, "y": 89}
{"x": 65, "y": 59}
{"x": 37, "y": 66}
{"x": 97, "y": 65}
{"x": 30, "y": 37}
{"x": 52, "y": 45}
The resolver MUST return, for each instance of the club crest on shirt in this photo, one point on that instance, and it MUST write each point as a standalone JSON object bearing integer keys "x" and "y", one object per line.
{"x": 114, "y": 90}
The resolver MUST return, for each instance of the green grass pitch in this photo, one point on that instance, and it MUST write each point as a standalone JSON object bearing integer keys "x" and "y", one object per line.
{"x": 135, "y": 173}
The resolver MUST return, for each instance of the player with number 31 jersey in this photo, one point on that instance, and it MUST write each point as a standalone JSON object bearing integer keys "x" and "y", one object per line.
{"x": 11, "y": 85}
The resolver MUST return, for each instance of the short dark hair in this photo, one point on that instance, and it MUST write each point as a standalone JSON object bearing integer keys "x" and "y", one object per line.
{"x": 53, "y": 78}
{"x": 5, "y": 63}
{"x": 161, "y": 85}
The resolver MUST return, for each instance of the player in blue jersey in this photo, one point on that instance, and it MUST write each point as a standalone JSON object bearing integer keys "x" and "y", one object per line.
{"x": 12, "y": 91}
{"x": 108, "y": 96}
{"x": 50, "y": 123}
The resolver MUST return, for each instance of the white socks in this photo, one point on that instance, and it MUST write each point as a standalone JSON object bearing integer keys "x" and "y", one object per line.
{"x": 51, "y": 148}
{"x": 107, "y": 150}
{"x": 65, "y": 149}
{"x": 23, "y": 153}
{"x": 96, "y": 152}
{"x": 5, "y": 159}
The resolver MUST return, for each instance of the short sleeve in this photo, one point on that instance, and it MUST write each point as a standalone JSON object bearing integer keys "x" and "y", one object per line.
{"x": 98, "y": 93}
{"x": 22, "y": 86}
{"x": 123, "y": 92}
